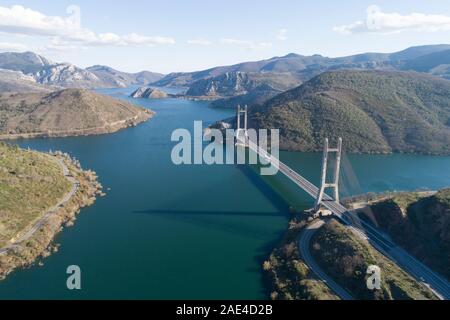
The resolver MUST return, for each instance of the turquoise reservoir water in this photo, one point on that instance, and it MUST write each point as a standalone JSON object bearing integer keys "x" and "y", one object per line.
{"x": 186, "y": 232}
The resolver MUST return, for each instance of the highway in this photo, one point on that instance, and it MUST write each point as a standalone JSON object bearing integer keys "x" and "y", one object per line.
{"x": 304, "y": 247}
{"x": 379, "y": 240}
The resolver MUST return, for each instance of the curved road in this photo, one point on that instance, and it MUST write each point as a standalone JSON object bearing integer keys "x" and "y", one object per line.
{"x": 35, "y": 227}
{"x": 304, "y": 245}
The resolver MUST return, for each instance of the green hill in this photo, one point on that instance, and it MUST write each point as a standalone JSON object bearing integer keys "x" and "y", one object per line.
{"x": 373, "y": 111}
{"x": 306, "y": 67}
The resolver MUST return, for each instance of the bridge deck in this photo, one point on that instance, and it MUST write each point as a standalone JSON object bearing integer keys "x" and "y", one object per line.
{"x": 376, "y": 238}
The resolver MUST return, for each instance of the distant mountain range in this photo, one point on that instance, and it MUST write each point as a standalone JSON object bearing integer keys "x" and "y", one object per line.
{"x": 282, "y": 73}
{"x": 308, "y": 66}
{"x": 436, "y": 63}
{"x": 248, "y": 80}
{"x": 373, "y": 111}
{"x": 46, "y": 72}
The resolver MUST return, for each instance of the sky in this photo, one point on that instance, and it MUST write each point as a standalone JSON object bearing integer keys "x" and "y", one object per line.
{"x": 179, "y": 35}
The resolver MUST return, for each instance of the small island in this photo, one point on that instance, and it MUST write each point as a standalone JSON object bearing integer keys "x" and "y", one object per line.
{"x": 40, "y": 193}
{"x": 149, "y": 93}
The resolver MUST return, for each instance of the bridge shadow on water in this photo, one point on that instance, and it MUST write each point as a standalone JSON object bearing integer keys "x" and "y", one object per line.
{"x": 210, "y": 213}
{"x": 270, "y": 194}
{"x": 263, "y": 252}
{"x": 214, "y": 219}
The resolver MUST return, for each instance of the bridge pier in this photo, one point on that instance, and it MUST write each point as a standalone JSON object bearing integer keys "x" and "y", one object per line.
{"x": 324, "y": 184}
{"x": 242, "y": 111}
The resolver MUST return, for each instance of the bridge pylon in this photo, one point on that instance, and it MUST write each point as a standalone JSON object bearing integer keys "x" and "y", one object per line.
{"x": 242, "y": 111}
{"x": 324, "y": 184}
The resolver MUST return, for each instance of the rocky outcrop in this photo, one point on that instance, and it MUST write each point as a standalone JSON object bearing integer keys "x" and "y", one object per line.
{"x": 149, "y": 93}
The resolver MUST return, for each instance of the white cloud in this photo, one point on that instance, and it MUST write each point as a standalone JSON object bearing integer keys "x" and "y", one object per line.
{"x": 358, "y": 26}
{"x": 25, "y": 21}
{"x": 378, "y": 21}
{"x": 247, "y": 44}
{"x": 282, "y": 34}
{"x": 200, "y": 42}
{"x": 263, "y": 45}
{"x": 9, "y": 46}
{"x": 136, "y": 39}
{"x": 56, "y": 45}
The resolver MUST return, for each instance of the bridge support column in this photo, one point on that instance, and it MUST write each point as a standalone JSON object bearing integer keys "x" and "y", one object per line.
{"x": 336, "y": 173}
{"x": 244, "y": 130}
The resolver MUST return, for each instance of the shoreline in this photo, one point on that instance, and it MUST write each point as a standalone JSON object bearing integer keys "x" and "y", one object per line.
{"x": 37, "y": 240}
{"x": 144, "y": 116}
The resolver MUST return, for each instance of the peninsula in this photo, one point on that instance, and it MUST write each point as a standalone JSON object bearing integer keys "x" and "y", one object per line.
{"x": 39, "y": 194}
{"x": 69, "y": 112}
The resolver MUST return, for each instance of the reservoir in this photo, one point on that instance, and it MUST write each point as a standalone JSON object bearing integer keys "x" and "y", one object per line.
{"x": 187, "y": 232}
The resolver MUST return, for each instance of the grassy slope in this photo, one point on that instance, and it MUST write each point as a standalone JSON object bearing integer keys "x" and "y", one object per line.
{"x": 374, "y": 111}
{"x": 30, "y": 183}
{"x": 346, "y": 258}
{"x": 419, "y": 224}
